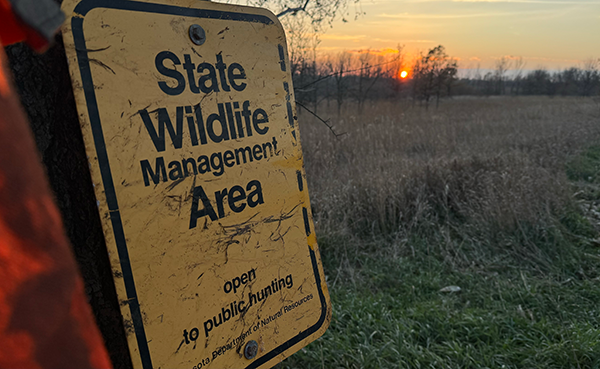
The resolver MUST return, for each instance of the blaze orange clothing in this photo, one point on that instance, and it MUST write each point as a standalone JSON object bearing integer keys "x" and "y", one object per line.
{"x": 45, "y": 320}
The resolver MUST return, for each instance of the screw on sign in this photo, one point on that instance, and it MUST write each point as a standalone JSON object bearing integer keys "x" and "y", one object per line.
{"x": 251, "y": 350}
{"x": 197, "y": 34}
{"x": 189, "y": 122}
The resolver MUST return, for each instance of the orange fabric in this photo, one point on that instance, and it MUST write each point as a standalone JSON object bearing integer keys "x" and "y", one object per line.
{"x": 45, "y": 320}
{"x": 13, "y": 30}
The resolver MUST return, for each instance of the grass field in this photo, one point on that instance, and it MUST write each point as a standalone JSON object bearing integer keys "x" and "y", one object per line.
{"x": 497, "y": 196}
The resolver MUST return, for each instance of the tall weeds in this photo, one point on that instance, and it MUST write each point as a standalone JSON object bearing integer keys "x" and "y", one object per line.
{"x": 475, "y": 182}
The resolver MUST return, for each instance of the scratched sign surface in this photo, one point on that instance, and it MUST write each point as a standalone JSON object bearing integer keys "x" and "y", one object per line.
{"x": 197, "y": 166}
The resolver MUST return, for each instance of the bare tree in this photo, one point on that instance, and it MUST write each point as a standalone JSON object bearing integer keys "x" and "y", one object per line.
{"x": 537, "y": 82}
{"x": 337, "y": 67}
{"x": 316, "y": 12}
{"x": 568, "y": 81}
{"x": 433, "y": 75}
{"x": 502, "y": 66}
{"x": 518, "y": 66}
{"x": 302, "y": 49}
{"x": 369, "y": 71}
{"x": 394, "y": 68}
{"x": 590, "y": 76}
{"x": 303, "y": 21}
{"x": 444, "y": 80}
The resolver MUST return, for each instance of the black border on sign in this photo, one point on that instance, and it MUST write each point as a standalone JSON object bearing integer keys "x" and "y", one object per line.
{"x": 92, "y": 106}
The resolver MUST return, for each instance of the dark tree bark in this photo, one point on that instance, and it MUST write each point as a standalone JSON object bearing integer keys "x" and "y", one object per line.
{"x": 44, "y": 85}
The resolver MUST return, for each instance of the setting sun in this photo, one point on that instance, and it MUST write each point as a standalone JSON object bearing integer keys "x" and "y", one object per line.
{"x": 403, "y": 74}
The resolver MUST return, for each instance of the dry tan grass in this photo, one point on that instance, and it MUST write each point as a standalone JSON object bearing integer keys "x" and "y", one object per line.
{"x": 484, "y": 170}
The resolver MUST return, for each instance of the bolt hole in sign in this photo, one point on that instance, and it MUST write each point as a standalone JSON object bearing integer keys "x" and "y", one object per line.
{"x": 188, "y": 117}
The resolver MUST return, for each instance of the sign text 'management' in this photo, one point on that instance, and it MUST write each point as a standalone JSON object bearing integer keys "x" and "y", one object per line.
{"x": 233, "y": 120}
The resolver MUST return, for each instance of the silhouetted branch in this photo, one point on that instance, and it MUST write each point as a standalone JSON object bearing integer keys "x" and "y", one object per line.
{"x": 293, "y": 10}
{"x": 321, "y": 119}
{"x": 347, "y": 71}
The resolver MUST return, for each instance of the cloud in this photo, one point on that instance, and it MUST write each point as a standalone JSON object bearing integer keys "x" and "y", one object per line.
{"x": 541, "y": 14}
{"x": 508, "y": 57}
{"x": 448, "y": 16}
{"x": 383, "y": 52}
{"x": 330, "y": 48}
{"x": 338, "y": 37}
{"x": 418, "y": 41}
{"x": 544, "y": 59}
{"x": 387, "y": 40}
{"x": 401, "y": 41}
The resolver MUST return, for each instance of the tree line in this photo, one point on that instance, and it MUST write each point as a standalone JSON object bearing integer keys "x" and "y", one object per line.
{"x": 510, "y": 78}
{"x": 353, "y": 78}
{"x": 356, "y": 77}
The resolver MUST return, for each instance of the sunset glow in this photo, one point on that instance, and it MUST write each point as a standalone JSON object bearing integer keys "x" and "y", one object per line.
{"x": 386, "y": 51}
{"x": 403, "y": 74}
{"x": 551, "y": 34}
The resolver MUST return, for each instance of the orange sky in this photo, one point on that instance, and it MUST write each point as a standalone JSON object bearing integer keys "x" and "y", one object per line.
{"x": 547, "y": 33}
{"x": 552, "y": 34}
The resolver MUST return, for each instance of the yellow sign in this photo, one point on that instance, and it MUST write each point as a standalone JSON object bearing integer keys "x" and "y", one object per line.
{"x": 188, "y": 116}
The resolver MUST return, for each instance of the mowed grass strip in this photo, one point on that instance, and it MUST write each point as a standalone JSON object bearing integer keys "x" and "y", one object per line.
{"x": 495, "y": 196}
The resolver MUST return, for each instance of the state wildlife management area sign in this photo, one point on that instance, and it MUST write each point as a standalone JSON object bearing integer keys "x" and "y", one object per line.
{"x": 188, "y": 117}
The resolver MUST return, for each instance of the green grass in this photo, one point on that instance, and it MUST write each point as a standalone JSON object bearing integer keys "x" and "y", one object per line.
{"x": 585, "y": 167}
{"x": 511, "y": 230}
{"x": 394, "y": 316}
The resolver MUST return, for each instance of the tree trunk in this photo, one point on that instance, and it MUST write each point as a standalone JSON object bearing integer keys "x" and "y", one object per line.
{"x": 44, "y": 85}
